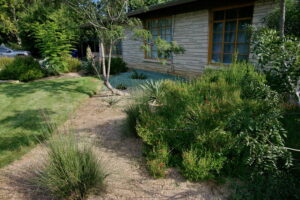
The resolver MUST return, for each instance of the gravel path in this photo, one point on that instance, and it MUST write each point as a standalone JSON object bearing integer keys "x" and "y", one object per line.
{"x": 100, "y": 124}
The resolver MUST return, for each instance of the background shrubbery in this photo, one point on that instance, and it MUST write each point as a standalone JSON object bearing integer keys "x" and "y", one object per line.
{"x": 22, "y": 69}
{"x": 279, "y": 58}
{"x": 5, "y": 61}
{"x": 226, "y": 123}
{"x": 117, "y": 66}
{"x": 292, "y": 21}
{"x": 72, "y": 65}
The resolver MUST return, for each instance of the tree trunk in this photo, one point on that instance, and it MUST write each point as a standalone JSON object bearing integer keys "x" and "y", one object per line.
{"x": 102, "y": 59}
{"x": 112, "y": 89}
{"x": 282, "y": 17}
{"x": 19, "y": 41}
{"x": 106, "y": 73}
{"x": 109, "y": 60}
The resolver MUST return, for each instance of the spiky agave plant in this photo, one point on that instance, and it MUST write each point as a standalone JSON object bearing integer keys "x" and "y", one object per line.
{"x": 153, "y": 91}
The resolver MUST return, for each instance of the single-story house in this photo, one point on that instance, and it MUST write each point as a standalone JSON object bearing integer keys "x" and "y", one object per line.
{"x": 210, "y": 31}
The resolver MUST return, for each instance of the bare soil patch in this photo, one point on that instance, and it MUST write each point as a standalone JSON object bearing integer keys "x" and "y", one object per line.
{"x": 101, "y": 124}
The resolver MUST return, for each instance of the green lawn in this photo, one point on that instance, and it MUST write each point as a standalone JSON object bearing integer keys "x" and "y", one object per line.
{"x": 21, "y": 106}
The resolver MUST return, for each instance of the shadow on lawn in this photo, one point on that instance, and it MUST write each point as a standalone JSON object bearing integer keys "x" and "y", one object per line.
{"x": 28, "y": 128}
{"x": 51, "y": 86}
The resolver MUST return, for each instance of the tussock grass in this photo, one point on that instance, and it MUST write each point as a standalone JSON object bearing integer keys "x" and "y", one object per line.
{"x": 72, "y": 169}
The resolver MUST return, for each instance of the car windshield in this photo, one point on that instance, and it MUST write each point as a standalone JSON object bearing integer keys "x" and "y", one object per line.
{"x": 4, "y": 49}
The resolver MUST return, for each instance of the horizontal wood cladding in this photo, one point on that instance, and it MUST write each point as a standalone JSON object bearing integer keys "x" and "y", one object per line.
{"x": 191, "y": 30}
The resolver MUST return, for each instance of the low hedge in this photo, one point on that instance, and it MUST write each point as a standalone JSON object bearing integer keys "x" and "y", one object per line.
{"x": 22, "y": 69}
{"x": 4, "y": 61}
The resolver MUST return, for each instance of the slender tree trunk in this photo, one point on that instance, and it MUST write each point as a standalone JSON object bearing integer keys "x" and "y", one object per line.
{"x": 109, "y": 60}
{"x": 106, "y": 73}
{"x": 15, "y": 23}
{"x": 102, "y": 59}
{"x": 282, "y": 17}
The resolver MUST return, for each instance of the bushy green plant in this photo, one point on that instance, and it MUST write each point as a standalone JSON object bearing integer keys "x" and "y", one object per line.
{"x": 118, "y": 66}
{"x": 157, "y": 160}
{"x": 132, "y": 113}
{"x": 278, "y": 58}
{"x": 54, "y": 44}
{"x": 4, "y": 61}
{"x": 224, "y": 123}
{"x": 89, "y": 69}
{"x": 136, "y": 75}
{"x": 72, "y": 170}
{"x": 73, "y": 64}
{"x": 157, "y": 168}
{"x": 198, "y": 168}
{"x": 22, "y": 69}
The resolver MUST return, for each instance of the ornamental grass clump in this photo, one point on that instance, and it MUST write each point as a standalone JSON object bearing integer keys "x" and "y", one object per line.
{"x": 72, "y": 169}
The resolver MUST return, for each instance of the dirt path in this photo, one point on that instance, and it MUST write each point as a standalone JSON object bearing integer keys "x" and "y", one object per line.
{"x": 101, "y": 124}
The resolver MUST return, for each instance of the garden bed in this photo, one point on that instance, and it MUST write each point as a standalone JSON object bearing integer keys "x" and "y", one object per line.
{"x": 126, "y": 80}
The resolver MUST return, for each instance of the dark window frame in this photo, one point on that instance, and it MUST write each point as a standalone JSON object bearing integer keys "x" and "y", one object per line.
{"x": 237, "y": 19}
{"x": 146, "y": 26}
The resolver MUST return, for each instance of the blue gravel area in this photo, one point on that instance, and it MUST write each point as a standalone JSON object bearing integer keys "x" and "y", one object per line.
{"x": 125, "y": 78}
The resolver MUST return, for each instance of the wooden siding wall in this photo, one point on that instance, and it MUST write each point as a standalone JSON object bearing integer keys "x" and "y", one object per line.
{"x": 191, "y": 30}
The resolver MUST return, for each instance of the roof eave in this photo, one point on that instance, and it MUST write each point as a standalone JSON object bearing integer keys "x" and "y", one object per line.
{"x": 159, "y": 6}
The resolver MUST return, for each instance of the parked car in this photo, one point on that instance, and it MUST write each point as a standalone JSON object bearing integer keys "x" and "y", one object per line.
{"x": 7, "y": 52}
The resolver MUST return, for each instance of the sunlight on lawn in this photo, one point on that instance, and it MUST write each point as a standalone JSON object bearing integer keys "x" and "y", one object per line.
{"x": 21, "y": 106}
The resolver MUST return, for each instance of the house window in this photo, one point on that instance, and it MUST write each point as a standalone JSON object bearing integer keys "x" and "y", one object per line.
{"x": 162, "y": 28}
{"x": 229, "y": 34}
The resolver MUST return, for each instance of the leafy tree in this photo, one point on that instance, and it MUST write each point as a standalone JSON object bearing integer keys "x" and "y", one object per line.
{"x": 42, "y": 12}
{"x": 10, "y": 11}
{"x": 109, "y": 20}
{"x": 292, "y": 18}
{"x": 279, "y": 58}
{"x": 134, "y": 4}
{"x": 55, "y": 45}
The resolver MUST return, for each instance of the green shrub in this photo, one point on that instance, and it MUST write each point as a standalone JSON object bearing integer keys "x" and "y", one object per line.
{"x": 4, "y": 61}
{"x": 201, "y": 168}
{"x": 89, "y": 69}
{"x": 229, "y": 118}
{"x": 117, "y": 66}
{"x": 279, "y": 59}
{"x": 55, "y": 44}
{"x": 72, "y": 169}
{"x": 157, "y": 168}
{"x": 157, "y": 160}
{"x": 22, "y": 69}
{"x": 136, "y": 75}
{"x": 132, "y": 113}
{"x": 73, "y": 65}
